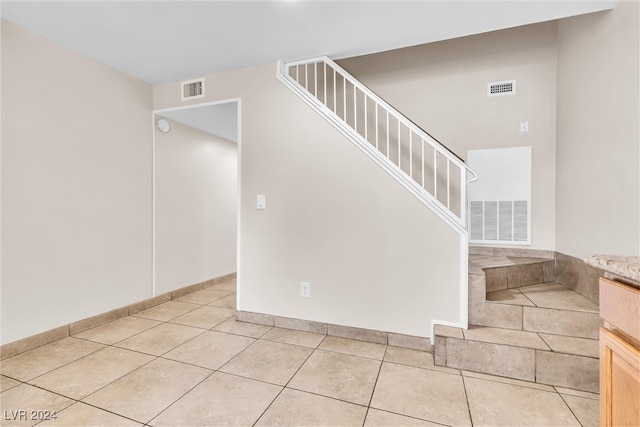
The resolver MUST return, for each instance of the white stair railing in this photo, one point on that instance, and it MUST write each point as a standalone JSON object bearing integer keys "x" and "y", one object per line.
{"x": 419, "y": 162}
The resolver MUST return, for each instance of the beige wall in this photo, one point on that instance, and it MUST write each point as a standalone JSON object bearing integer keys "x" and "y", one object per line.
{"x": 375, "y": 257}
{"x": 196, "y": 192}
{"x": 77, "y": 162}
{"x": 598, "y": 183}
{"x": 76, "y": 186}
{"x": 442, "y": 87}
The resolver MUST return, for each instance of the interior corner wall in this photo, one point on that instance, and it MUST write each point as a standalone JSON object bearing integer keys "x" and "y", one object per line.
{"x": 442, "y": 87}
{"x": 598, "y": 133}
{"x": 195, "y": 207}
{"x": 375, "y": 257}
{"x": 76, "y": 186}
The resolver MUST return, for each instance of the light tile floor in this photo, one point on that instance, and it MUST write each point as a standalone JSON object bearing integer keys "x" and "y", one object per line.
{"x": 188, "y": 362}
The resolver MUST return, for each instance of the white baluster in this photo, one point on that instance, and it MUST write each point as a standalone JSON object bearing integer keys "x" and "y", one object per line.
{"x": 422, "y": 159}
{"x": 435, "y": 173}
{"x": 410, "y": 153}
{"x": 448, "y": 187}
{"x": 387, "y": 134}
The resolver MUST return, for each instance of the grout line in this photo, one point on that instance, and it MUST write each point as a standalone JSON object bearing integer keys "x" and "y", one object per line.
{"x": 466, "y": 397}
{"x": 569, "y": 407}
{"x": 213, "y": 329}
{"x": 535, "y": 367}
{"x": 65, "y": 364}
{"x": 375, "y": 384}
{"x": 105, "y": 410}
{"x": 147, "y": 330}
{"x": 287, "y": 384}
{"x": 236, "y": 356}
{"x": 422, "y": 420}
{"x": 337, "y": 399}
{"x": 528, "y": 299}
{"x": 180, "y": 397}
{"x": 440, "y": 369}
{"x": 545, "y": 341}
{"x": 117, "y": 379}
{"x": 509, "y": 381}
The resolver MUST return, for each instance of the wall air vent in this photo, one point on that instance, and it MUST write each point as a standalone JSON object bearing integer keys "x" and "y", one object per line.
{"x": 507, "y": 87}
{"x": 504, "y": 221}
{"x": 193, "y": 89}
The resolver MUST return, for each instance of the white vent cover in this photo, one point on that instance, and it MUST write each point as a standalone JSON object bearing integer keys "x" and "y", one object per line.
{"x": 507, "y": 87}
{"x": 499, "y": 221}
{"x": 193, "y": 89}
{"x": 500, "y": 201}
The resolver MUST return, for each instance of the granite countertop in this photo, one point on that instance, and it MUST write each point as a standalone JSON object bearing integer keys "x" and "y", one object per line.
{"x": 627, "y": 267}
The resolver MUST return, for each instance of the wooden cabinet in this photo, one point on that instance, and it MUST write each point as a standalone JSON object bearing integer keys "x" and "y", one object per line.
{"x": 619, "y": 354}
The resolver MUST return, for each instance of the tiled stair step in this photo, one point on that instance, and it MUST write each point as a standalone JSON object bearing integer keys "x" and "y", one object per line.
{"x": 507, "y": 272}
{"x": 537, "y": 357}
{"x": 547, "y": 308}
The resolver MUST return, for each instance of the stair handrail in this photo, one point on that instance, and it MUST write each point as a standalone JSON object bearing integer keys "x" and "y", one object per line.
{"x": 444, "y": 150}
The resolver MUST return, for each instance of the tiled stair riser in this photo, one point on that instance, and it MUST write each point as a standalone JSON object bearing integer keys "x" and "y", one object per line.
{"x": 515, "y": 276}
{"x": 494, "y": 359}
{"x": 487, "y": 314}
{"x": 541, "y": 366}
{"x": 580, "y": 324}
{"x": 568, "y": 370}
{"x": 579, "y": 276}
{"x": 498, "y": 316}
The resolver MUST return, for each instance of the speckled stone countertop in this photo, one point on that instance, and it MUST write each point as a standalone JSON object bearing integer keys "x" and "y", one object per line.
{"x": 627, "y": 267}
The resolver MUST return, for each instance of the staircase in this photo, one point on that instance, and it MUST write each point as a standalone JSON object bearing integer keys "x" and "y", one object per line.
{"x": 423, "y": 165}
{"x": 418, "y": 162}
{"x": 524, "y": 326}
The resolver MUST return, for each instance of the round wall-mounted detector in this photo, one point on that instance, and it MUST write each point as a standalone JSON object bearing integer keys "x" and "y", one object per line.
{"x": 163, "y": 125}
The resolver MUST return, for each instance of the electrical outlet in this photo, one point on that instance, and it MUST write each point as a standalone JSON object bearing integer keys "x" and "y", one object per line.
{"x": 305, "y": 289}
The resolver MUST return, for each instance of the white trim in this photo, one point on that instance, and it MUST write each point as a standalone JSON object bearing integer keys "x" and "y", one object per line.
{"x": 239, "y": 204}
{"x": 464, "y": 293}
{"x": 153, "y": 204}
{"x": 200, "y": 104}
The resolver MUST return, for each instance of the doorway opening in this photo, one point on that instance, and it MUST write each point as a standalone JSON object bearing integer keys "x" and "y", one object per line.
{"x": 196, "y": 187}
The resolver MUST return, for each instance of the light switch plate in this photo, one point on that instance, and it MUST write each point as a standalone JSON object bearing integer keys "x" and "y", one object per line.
{"x": 261, "y": 202}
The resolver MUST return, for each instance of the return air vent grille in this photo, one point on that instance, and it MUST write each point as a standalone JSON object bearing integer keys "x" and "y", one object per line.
{"x": 499, "y": 221}
{"x": 193, "y": 89}
{"x": 507, "y": 87}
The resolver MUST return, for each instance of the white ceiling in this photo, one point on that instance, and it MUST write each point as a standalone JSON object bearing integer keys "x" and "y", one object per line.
{"x": 163, "y": 41}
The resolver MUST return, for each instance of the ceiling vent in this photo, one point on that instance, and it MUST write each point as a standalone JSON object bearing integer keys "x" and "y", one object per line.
{"x": 193, "y": 89}
{"x": 507, "y": 87}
